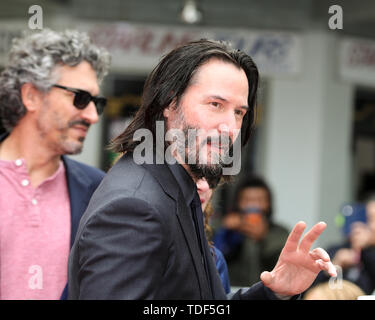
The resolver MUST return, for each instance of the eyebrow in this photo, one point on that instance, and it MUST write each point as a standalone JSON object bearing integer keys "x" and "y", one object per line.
{"x": 246, "y": 107}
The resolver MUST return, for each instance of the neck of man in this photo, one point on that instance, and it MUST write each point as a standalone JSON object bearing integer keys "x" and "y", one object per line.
{"x": 186, "y": 166}
{"x": 41, "y": 161}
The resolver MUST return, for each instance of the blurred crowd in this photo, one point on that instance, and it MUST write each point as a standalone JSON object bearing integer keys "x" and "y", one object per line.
{"x": 251, "y": 242}
{"x": 46, "y": 119}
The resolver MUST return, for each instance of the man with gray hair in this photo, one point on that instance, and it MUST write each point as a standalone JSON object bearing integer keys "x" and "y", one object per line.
{"x": 48, "y": 100}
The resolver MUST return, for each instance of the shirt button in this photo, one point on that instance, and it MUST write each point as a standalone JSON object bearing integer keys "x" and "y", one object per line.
{"x": 25, "y": 182}
{"x": 18, "y": 162}
{"x": 34, "y": 202}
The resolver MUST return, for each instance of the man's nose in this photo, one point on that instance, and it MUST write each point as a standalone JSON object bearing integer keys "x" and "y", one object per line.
{"x": 202, "y": 185}
{"x": 228, "y": 128}
{"x": 90, "y": 113}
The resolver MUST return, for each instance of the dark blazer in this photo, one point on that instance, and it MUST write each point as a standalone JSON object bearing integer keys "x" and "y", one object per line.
{"x": 136, "y": 240}
{"x": 82, "y": 182}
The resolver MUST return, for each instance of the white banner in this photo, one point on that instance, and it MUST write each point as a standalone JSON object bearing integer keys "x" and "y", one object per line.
{"x": 357, "y": 61}
{"x": 139, "y": 47}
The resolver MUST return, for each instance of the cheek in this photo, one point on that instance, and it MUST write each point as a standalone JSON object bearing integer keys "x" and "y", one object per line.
{"x": 59, "y": 120}
{"x": 53, "y": 115}
{"x": 174, "y": 119}
{"x": 206, "y": 195}
{"x": 196, "y": 115}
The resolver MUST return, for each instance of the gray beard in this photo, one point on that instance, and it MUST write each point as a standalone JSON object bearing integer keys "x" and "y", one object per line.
{"x": 211, "y": 172}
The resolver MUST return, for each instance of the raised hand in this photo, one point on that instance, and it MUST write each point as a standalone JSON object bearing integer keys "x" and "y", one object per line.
{"x": 297, "y": 266}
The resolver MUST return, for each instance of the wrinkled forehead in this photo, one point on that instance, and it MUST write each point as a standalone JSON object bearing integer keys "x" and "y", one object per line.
{"x": 81, "y": 76}
{"x": 222, "y": 78}
{"x": 206, "y": 64}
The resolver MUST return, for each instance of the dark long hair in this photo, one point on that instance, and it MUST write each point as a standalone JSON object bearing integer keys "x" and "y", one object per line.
{"x": 169, "y": 80}
{"x": 254, "y": 182}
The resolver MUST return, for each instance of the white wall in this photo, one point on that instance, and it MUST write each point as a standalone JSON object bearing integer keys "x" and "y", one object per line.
{"x": 306, "y": 139}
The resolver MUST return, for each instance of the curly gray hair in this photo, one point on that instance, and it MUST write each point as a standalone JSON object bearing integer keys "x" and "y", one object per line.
{"x": 33, "y": 58}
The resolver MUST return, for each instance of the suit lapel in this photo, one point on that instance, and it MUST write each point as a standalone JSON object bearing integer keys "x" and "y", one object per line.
{"x": 169, "y": 184}
{"x": 186, "y": 223}
{"x": 79, "y": 194}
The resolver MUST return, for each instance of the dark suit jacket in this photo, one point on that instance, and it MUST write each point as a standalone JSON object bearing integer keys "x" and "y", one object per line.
{"x": 82, "y": 181}
{"x": 136, "y": 240}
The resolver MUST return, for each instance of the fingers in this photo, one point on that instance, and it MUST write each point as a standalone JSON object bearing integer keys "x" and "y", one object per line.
{"x": 327, "y": 266}
{"x": 266, "y": 278}
{"x": 311, "y": 236}
{"x": 319, "y": 253}
{"x": 323, "y": 261}
{"x": 294, "y": 236}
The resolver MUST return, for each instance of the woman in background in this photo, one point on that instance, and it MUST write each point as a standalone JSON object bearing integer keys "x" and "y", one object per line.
{"x": 205, "y": 192}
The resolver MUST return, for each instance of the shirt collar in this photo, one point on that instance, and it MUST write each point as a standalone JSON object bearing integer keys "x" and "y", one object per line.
{"x": 185, "y": 182}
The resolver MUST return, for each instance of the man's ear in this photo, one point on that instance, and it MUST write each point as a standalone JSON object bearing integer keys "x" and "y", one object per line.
{"x": 31, "y": 97}
{"x": 168, "y": 110}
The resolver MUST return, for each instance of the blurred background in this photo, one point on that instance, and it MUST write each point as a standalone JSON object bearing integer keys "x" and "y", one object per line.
{"x": 315, "y": 137}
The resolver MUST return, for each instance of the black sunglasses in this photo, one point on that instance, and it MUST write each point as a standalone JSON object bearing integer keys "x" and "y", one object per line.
{"x": 82, "y": 98}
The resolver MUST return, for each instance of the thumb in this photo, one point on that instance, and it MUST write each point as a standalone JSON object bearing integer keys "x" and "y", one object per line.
{"x": 266, "y": 278}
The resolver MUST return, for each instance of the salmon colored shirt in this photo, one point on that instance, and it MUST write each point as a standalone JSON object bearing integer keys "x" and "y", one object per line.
{"x": 34, "y": 233}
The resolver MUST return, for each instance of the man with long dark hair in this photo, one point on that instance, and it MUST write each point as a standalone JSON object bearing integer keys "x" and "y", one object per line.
{"x": 142, "y": 236}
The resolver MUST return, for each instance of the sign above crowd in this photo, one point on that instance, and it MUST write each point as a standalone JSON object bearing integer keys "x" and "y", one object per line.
{"x": 357, "y": 61}
{"x": 138, "y": 47}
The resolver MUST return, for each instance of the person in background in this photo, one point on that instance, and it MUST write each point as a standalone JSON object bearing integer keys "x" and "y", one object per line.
{"x": 356, "y": 256}
{"x": 324, "y": 291}
{"x": 249, "y": 239}
{"x": 205, "y": 191}
{"x": 48, "y": 100}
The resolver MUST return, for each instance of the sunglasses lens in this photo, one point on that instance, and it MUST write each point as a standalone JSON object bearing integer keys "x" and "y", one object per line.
{"x": 100, "y": 103}
{"x": 81, "y": 100}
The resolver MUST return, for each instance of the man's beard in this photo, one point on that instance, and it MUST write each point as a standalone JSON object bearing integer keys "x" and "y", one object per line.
{"x": 74, "y": 147}
{"x": 212, "y": 171}
{"x": 61, "y": 144}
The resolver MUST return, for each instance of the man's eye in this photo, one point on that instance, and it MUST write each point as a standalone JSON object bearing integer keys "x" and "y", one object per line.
{"x": 215, "y": 104}
{"x": 239, "y": 113}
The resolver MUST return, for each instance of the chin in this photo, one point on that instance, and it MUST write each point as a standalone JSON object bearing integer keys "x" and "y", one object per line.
{"x": 207, "y": 171}
{"x": 72, "y": 148}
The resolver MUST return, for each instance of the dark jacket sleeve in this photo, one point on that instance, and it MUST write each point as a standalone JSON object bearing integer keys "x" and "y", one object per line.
{"x": 122, "y": 252}
{"x": 257, "y": 291}
{"x": 222, "y": 268}
{"x": 368, "y": 261}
